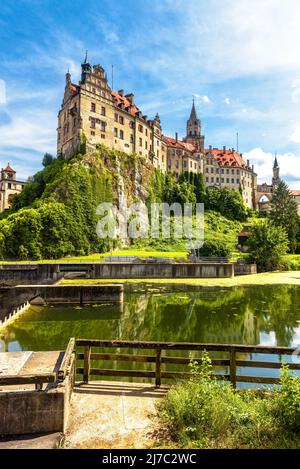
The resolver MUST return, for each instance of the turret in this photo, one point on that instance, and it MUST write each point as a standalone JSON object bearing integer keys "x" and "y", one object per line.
{"x": 85, "y": 68}
{"x": 276, "y": 170}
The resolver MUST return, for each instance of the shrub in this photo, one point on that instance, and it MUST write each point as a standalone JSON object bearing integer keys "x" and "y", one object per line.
{"x": 213, "y": 248}
{"x": 288, "y": 403}
{"x": 202, "y": 412}
{"x": 267, "y": 245}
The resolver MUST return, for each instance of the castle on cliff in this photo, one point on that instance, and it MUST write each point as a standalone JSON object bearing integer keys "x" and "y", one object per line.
{"x": 93, "y": 112}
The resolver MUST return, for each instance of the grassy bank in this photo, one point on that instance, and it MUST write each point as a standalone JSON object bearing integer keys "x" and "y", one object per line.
{"x": 274, "y": 278}
{"x": 204, "y": 413}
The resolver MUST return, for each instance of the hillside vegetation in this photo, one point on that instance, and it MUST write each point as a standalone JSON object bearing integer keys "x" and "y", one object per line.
{"x": 55, "y": 215}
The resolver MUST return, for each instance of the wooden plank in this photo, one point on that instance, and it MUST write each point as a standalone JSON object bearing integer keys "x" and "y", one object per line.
{"x": 232, "y": 367}
{"x": 87, "y": 363}
{"x": 67, "y": 357}
{"x": 158, "y": 368}
{"x": 256, "y": 379}
{"x": 120, "y": 357}
{"x": 27, "y": 379}
{"x": 183, "y": 375}
{"x": 104, "y": 372}
{"x": 260, "y": 364}
{"x": 187, "y": 346}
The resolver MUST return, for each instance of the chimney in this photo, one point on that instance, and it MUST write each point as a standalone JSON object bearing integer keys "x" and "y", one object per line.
{"x": 121, "y": 92}
{"x": 130, "y": 97}
{"x": 210, "y": 147}
{"x": 176, "y": 136}
{"x": 224, "y": 148}
{"x": 248, "y": 162}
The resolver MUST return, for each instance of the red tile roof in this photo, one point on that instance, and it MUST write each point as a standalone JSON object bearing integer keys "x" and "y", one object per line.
{"x": 9, "y": 169}
{"x": 125, "y": 102}
{"x": 172, "y": 142}
{"x": 296, "y": 193}
{"x": 227, "y": 157}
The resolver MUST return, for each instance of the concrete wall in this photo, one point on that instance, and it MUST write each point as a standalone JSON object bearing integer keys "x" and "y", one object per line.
{"x": 245, "y": 269}
{"x": 82, "y": 294}
{"x": 161, "y": 270}
{"x": 30, "y": 411}
{"x": 13, "y": 274}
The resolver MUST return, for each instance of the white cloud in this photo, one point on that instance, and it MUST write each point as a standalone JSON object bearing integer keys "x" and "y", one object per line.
{"x": 263, "y": 161}
{"x": 295, "y": 137}
{"x": 31, "y": 130}
{"x": 2, "y": 92}
{"x": 227, "y": 100}
{"x": 205, "y": 98}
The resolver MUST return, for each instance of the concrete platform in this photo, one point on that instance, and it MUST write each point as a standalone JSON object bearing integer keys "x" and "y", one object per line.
{"x": 28, "y": 363}
{"x": 44, "y": 441}
{"x": 110, "y": 414}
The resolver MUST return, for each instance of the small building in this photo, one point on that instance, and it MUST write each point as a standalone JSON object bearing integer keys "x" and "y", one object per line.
{"x": 243, "y": 237}
{"x": 9, "y": 187}
{"x": 296, "y": 195}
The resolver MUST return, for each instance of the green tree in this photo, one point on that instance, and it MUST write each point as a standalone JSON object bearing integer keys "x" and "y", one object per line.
{"x": 228, "y": 202}
{"x": 48, "y": 159}
{"x": 267, "y": 244}
{"x": 284, "y": 213}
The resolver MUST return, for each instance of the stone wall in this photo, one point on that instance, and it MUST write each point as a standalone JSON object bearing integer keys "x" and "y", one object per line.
{"x": 245, "y": 269}
{"x": 137, "y": 270}
{"x": 13, "y": 274}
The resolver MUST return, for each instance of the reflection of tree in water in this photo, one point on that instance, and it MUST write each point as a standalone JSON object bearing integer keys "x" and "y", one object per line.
{"x": 230, "y": 315}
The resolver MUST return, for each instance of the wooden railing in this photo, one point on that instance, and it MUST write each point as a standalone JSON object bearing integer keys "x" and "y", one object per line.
{"x": 232, "y": 362}
{"x": 37, "y": 379}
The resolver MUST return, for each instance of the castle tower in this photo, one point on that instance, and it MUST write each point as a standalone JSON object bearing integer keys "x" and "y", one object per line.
{"x": 193, "y": 130}
{"x": 276, "y": 169}
{"x": 85, "y": 68}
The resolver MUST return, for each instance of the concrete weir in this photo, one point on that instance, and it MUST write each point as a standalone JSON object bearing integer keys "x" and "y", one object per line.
{"x": 73, "y": 294}
{"x": 178, "y": 270}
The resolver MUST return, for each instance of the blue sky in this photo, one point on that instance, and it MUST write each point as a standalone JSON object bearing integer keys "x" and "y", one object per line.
{"x": 240, "y": 58}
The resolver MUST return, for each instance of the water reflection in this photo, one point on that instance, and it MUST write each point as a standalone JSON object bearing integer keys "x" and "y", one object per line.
{"x": 268, "y": 315}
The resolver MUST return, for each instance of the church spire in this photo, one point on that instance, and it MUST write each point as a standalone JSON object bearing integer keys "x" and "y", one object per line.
{"x": 193, "y": 116}
{"x": 276, "y": 165}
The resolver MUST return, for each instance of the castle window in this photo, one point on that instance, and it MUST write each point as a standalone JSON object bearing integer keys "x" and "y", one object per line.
{"x": 102, "y": 136}
{"x": 9, "y": 185}
{"x": 177, "y": 164}
{"x": 195, "y": 165}
{"x": 211, "y": 170}
{"x": 206, "y": 179}
{"x": 121, "y": 120}
{"x": 116, "y": 117}
{"x": 94, "y": 90}
{"x": 217, "y": 170}
{"x": 141, "y": 128}
{"x": 206, "y": 170}
{"x": 237, "y": 181}
{"x": 131, "y": 124}
{"x": 217, "y": 179}
{"x": 232, "y": 171}
{"x": 115, "y": 132}
{"x": 146, "y": 145}
{"x": 102, "y": 111}
{"x": 222, "y": 170}
{"x": 121, "y": 134}
{"x": 131, "y": 138}
{"x": 140, "y": 142}
{"x": 93, "y": 123}
{"x": 212, "y": 179}
{"x": 93, "y": 107}
{"x": 163, "y": 158}
{"x": 102, "y": 126}
{"x": 184, "y": 164}
{"x": 237, "y": 171}
{"x": 158, "y": 143}
{"x": 146, "y": 131}
{"x": 232, "y": 181}
{"x": 222, "y": 179}
{"x": 227, "y": 171}
{"x": 92, "y": 133}
{"x": 227, "y": 180}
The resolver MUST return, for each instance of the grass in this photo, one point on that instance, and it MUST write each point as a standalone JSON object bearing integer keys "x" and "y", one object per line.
{"x": 96, "y": 257}
{"x": 274, "y": 278}
{"x": 206, "y": 414}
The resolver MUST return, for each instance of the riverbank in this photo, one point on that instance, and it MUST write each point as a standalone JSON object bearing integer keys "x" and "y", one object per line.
{"x": 274, "y": 278}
